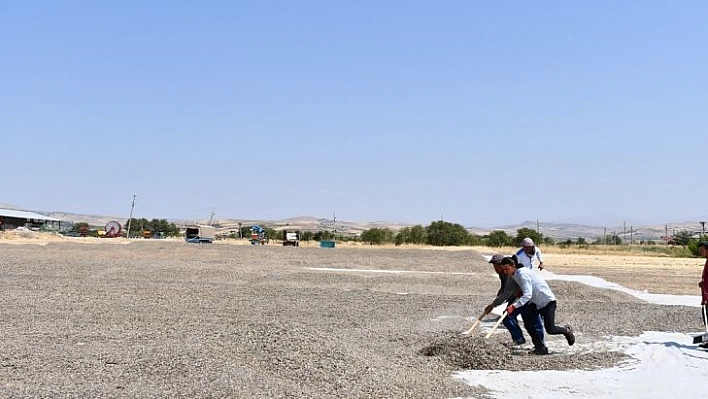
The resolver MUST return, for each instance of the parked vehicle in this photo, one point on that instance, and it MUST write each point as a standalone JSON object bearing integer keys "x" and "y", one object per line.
{"x": 200, "y": 234}
{"x": 291, "y": 238}
{"x": 258, "y": 235}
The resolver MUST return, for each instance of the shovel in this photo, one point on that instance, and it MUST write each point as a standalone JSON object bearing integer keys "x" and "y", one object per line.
{"x": 698, "y": 339}
{"x": 476, "y": 323}
{"x": 494, "y": 327}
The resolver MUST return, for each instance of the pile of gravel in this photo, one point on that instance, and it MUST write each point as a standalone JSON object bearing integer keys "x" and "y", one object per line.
{"x": 497, "y": 353}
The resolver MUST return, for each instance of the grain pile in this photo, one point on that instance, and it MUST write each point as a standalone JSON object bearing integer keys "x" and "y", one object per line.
{"x": 496, "y": 353}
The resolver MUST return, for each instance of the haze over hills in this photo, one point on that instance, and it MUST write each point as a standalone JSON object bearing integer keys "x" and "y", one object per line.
{"x": 558, "y": 231}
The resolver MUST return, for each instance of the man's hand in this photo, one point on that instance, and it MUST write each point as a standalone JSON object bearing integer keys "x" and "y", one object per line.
{"x": 510, "y": 309}
{"x": 540, "y": 266}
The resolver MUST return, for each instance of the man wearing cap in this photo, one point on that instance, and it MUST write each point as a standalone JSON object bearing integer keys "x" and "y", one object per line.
{"x": 703, "y": 252}
{"x": 528, "y": 253}
{"x": 507, "y": 293}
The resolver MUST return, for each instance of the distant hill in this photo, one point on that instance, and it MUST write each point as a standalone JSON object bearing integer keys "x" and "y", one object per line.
{"x": 557, "y": 231}
{"x": 10, "y": 206}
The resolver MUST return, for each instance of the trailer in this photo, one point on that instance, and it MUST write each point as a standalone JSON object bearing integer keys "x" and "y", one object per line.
{"x": 258, "y": 235}
{"x": 291, "y": 238}
{"x": 200, "y": 234}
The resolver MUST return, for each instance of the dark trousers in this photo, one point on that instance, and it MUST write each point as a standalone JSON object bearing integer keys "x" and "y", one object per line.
{"x": 532, "y": 324}
{"x": 548, "y": 314}
{"x": 512, "y": 324}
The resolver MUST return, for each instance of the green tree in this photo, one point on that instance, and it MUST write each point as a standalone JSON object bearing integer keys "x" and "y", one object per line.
{"x": 613, "y": 239}
{"x": 443, "y": 233}
{"x": 162, "y": 227}
{"x": 530, "y": 233}
{"x": 682, "y": 238}
{"x": 499, "y": 238}
{"x": 155, "y": 226}
{"x": 418, "y": 235}
{"x": 377, "y": 236}
{"x": 270, "y": 232}
{"x": 307, "y": 236}
{"x": 323, "y": 235}
{"x": 411, "y": 235}
{"x": 474, "y": 239}
{"x": 137, "y": 226}
{"x": 402, "y": 236}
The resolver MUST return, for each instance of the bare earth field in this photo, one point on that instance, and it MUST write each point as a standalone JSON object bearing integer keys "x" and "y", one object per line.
{"x": 119, "y": 319}
{"x": 660, "y": 275}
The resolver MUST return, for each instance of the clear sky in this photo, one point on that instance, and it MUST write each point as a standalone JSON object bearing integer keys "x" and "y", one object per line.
{"x": 482, "y": 113}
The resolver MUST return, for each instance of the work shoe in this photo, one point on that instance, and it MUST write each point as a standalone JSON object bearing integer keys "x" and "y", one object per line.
{"x": 569, "y": 336}
{"x": 540, "y": 350}
{"x": 703, "y": 345}
{"x": 520, "y": 342}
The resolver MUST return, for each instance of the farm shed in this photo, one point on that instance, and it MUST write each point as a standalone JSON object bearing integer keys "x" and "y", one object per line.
{"x": 12, "y": 219}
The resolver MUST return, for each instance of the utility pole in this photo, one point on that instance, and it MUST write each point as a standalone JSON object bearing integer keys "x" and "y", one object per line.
{"x": 703, "y": 229}
{"x": 624, "y": 235}
{"x": 132, "y": 206}
{"x": 211, "y": 219}
{"x": 334, "y": 226}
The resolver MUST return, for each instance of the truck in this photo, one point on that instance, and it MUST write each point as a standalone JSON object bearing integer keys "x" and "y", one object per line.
{"x": 291, "y": 238}
{"x": 258, "y": 235}
{"x": 200, "y": 234}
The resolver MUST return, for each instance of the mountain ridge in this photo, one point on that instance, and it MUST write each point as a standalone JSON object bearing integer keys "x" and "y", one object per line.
{"x": 557, "y": 231}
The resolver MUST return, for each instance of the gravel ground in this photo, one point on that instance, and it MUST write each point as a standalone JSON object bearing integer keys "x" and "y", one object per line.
{"x": 169, "y": 319}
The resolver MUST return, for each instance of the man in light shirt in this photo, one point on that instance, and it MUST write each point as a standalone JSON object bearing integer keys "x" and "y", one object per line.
{"x": 507, "y": 293}
{"x": 539, "y": 300}
{"x": 528, "y": 253}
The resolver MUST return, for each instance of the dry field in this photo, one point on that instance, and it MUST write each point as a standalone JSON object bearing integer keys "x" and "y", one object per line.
{"x": 161, "y": 318}
{"x": 660, "y": 275}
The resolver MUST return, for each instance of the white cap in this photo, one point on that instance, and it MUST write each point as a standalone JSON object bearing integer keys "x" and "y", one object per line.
{"x": 527, "y": 242}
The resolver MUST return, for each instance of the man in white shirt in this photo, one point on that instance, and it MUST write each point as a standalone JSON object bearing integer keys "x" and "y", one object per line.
{"x": 528, "y": 253}
{"x": 536, "y": 299}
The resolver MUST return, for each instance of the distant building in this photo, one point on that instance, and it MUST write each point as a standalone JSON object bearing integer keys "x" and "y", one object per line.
{"x": 12, "y": 219}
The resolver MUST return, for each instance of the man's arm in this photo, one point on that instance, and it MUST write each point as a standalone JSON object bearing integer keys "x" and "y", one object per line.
{"x": 524, "y": 283}
{"x": 539, "y": 255}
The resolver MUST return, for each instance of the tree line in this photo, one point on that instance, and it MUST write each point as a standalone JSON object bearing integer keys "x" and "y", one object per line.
{"x": 438, "y": 233}
{"x": 442, "y": 233}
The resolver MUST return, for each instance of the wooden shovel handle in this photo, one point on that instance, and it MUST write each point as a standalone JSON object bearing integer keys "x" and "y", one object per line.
{"x": 475, "y": 324}
{"x": 494, "y": 327}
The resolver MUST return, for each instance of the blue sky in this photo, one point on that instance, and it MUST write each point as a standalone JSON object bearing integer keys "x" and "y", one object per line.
{"x": 482, "y": 113}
